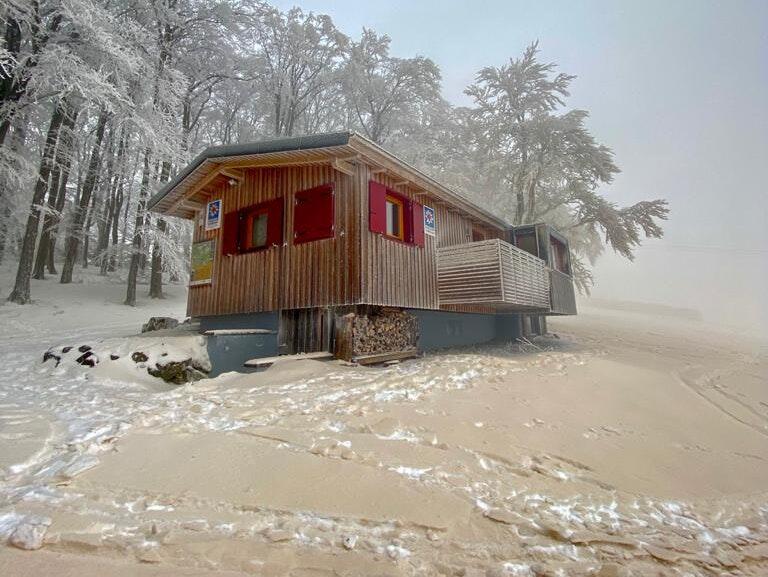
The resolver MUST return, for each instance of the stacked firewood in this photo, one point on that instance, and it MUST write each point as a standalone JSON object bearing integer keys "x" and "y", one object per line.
{"x": 384, "y": 330}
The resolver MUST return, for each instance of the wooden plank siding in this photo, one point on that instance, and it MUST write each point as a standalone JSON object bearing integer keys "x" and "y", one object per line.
{"x": 400, "y": 274}
{"x": 291, "y": 276}
{"x": 356, "y": 266}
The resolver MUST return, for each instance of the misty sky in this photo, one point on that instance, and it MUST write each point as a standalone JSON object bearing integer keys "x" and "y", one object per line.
{"x": 679, "y": 91}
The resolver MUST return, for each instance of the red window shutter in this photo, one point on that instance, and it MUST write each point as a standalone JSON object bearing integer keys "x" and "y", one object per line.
{"x": 417, "y": 228}
{"x": 313, "y": 214}
{"x": 231, "y": 233}
{"x": 275, "y": 222}
{"x": 377, "y": 207}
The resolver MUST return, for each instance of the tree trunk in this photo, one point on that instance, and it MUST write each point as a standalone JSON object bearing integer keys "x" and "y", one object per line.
{"x": 10, "y": 88}
{"x": 112, "y": 208}
{"x": 80, "y": 210}
{"x": 104, "y": 220}
{"x": 87, "y": 231}
{"x": 136, "y": 252}
{"x": 156, "y": 274}
{"x": 21, "y": 289}
{"x": 17, "y": 143}
{"x": 14, "y": 86}
{"x": 117, "y": 206}
{"x": 61, "y": 199}
{"x": 4, "y": 218}
{"x": 60, "y": 174}
{"x": 156, "y": 268}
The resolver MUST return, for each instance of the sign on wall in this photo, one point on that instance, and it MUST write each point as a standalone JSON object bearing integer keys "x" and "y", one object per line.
{"x": 429, "y": 220}
{"x": 201, "y": 269}
{"x": 213, "y": 215}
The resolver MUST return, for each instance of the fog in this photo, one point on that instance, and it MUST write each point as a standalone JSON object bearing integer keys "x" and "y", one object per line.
{"x": 677, "y": 90}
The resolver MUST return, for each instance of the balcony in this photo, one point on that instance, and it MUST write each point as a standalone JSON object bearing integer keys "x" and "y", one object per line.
{"x": 495, "y": 273}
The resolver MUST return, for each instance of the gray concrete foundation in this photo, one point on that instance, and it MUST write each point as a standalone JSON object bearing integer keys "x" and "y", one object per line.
{"x": 229, "y": 352}
{"x": 443, "y": 329}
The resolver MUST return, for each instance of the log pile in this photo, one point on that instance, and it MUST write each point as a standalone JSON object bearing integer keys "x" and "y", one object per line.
{"x": 375, "y": 330}
{"x": 384, "y": 330}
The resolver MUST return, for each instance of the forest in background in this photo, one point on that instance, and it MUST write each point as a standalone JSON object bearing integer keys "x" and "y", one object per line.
{"x": 101, "y": 102}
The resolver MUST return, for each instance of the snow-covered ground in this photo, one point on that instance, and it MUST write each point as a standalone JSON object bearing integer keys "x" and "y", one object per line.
{"x": 629, "y": 443}
{"x": 52, "y": 418}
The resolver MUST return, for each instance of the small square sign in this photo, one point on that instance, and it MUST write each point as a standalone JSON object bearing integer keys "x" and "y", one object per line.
{"x": 429, "y": 220}
{"x": 213, "y": 215}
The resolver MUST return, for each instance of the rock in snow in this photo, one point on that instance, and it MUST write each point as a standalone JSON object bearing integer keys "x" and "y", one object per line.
{"x": 177, "y": 372}
{"x": 349, "y": 541}
{"x": 30, "y": 533}
{"x": 88, "y": 359}
{"x": 159, "y": 323}
{"x": 49, "y": 355}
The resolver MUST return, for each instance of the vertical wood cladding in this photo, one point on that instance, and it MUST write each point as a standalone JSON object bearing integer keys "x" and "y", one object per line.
{"x": 404, "y": 275}
{"x": 316, "y": 273}
{"x": 356, "y": 266}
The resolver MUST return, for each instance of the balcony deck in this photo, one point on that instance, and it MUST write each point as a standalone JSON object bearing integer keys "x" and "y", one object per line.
{"x": 493, "y": 272}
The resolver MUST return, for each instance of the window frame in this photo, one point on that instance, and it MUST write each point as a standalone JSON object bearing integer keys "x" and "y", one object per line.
{"x": 561, "y": 258}
{"x": 411, "y": 215}
{"x": 239, "y": 223}
{"x": 245, "y": 229}
{"x": 399, "y": 201}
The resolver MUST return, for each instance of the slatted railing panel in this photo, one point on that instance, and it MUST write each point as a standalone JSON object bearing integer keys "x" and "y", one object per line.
{"x": 563, "y": 295}
{"x": 492, "y": 271}
{"x": 526, "y": 282}
{"x": 469, "y": 273}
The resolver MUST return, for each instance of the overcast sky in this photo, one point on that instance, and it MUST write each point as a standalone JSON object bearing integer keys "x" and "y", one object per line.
{"x": 678, "y": 90}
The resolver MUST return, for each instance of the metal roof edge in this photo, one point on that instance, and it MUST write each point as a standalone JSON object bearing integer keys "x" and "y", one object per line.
{"x": 307, "y": 142}
{"x": 324, "y": 140}
{"x": 450, "y": 193}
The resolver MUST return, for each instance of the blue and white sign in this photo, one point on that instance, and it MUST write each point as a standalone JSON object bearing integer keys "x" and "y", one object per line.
{"x": 429, "y": 220}
{"x": 213, "y": 215}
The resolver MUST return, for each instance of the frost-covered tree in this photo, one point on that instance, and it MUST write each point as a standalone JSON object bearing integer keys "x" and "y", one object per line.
{"x": 295, "y": 61}
{"x": 544, "y": 164}
{"x": 101, "y": 101}
{"x": 51, "y": 67}
{"x": 384, "y": 92}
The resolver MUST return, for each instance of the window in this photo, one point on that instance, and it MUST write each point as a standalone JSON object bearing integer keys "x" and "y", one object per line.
{"x": 527, "y": 242}
{"x": 559, "y": 256}
{"x": 253, "y": 228}
{"x": 256, "y": 230}
{"x": 395, "y": 217}
{"x": 313, "y": 214}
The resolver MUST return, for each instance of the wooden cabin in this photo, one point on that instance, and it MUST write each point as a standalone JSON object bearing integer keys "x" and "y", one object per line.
{"x": 329, "y": 242}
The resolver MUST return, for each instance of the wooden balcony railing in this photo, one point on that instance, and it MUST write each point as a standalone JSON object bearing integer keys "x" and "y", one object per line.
{"x": 562, "y": 294}
{"x": 492, "y": 272}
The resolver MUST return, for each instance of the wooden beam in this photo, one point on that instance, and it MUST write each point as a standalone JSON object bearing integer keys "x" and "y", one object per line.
{"x": 233, "y": 173}
{"x": 378, "y": 170}
{"x": 267, "y": 361}
{"x": 343, "y": 166}
{"x": 402, "y": 183}
{"x": 215, "y": 173}
{"x": 376, "y": 157}
{"x": 192, "y": 205}
{"x": 384, "y": 357}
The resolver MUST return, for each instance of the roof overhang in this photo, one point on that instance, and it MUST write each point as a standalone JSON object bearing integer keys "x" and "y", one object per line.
{"x": 187, "y": 192}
